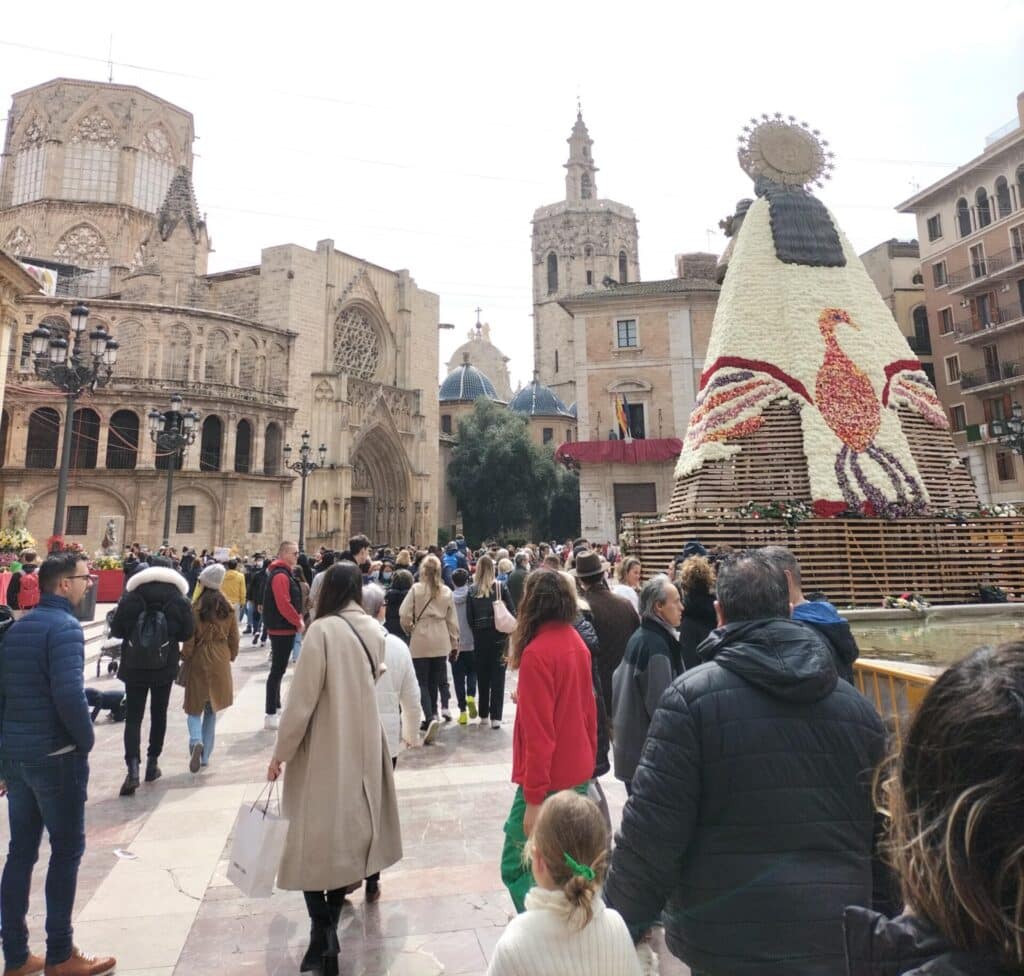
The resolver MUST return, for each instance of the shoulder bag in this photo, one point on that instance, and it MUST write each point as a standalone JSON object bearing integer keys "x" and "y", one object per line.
{"x": 362, "y": 644}
{"x": 504, "y": 619}
{"x": 416, "y": 617}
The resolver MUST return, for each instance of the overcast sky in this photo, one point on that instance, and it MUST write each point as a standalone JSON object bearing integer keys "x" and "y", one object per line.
{"x": 423, "y": 136}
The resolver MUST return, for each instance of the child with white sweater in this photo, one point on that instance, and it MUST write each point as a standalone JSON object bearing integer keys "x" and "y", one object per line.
{"x": 566, "y": 929}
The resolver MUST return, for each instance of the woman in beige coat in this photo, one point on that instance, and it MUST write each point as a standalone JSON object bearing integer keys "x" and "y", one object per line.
{"x": 339, "y": 790}
{"x": 207, "y": 657}
{"x": 428, "y": 616}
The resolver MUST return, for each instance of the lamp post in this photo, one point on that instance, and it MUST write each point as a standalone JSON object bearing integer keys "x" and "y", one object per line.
{"x": 172, "y": 431}
{"x": 1010, "y": 432}
{"x": 304, "y": 467}
{"x": 83, "y": 364}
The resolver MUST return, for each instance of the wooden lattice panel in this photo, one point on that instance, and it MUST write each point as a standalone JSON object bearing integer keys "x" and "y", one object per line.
{"x": 771, "y": 466}
{"x": 857, "y": 562}
{"x": 948, "y": 483}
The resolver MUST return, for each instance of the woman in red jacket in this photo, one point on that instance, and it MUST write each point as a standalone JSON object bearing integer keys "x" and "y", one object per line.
{"x": 555, "y": 707}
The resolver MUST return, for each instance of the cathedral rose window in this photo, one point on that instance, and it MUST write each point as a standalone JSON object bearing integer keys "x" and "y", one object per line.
{"x": 356, "y": 344}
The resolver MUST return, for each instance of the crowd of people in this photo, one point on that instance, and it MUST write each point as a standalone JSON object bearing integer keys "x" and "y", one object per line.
{"x": 770, "y": 828}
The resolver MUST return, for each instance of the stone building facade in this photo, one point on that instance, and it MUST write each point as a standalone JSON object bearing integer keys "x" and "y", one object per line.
{"x": 96, "y": 187}
{"x": 644, "y": 351}
{"x": 971, "y": 228}
{"x": 580, "y": 242}
{"x": 895, "y": 268}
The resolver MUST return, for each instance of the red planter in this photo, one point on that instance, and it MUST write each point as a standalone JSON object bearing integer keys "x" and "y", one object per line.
{"x": 110, "y": 585}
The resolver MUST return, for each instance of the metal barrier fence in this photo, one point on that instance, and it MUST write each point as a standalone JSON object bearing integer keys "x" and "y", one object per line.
{"x": 895, "y": 690}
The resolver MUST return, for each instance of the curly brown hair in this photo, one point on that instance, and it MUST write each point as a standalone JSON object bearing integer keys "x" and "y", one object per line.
{"x": 547, "y": 596}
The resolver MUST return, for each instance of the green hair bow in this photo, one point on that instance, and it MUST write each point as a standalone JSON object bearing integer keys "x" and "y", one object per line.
{"x": 582, "y": 870}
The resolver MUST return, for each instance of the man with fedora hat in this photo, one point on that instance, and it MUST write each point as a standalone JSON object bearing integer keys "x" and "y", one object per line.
{"x": 615, "y": 620}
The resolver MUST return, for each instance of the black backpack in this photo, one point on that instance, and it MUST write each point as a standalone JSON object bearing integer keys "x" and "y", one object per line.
{"x": 148, "y": 647}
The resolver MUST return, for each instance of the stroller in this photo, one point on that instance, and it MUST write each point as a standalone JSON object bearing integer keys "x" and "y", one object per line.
{"x": 109, "y": 649}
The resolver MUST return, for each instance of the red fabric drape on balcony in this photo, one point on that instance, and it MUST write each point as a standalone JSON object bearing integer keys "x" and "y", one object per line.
{"x": 619, "y": 452}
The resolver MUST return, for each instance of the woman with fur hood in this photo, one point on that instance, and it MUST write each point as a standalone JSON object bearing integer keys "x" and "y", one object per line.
{"x": 154, "y": 589}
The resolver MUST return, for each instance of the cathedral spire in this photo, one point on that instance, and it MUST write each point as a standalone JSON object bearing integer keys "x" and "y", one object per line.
{"x": 580, "y": 171}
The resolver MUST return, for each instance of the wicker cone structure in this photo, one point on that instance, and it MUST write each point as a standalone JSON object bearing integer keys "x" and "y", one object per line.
{"x": 812, "y": 400}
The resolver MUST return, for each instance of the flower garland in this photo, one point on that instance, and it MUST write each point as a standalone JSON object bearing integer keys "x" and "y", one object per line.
{"x": 790, "y": 512}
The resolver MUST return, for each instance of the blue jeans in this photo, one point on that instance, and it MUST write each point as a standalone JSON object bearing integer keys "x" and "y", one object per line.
{"x": 203, "y": 728}
{"x": 48, "y": 792}
{"x": 296, "y": 648}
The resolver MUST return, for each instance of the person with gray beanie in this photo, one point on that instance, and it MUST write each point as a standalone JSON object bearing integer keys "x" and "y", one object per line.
{"x": 206, "y": 671}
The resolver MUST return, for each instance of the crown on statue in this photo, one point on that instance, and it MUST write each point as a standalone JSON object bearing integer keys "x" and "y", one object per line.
{"x": 785, "y": 151}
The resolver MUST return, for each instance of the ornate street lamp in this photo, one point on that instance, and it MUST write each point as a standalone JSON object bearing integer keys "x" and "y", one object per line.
{"x": 1010, "y": 432}
{"x": 172, "y": 431}
{"x": 304, "y": 467}
{"x": 84, "y": 364}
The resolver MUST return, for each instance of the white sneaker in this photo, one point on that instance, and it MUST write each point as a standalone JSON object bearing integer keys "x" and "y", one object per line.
{"x": 446, "y": 714}
{"x": 272, "y": 722}
{"x": 495, "y": 723}
{"x": 431, "y": 732}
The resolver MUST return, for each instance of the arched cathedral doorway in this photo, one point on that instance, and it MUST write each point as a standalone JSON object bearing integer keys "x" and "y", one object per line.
{"x": 380, "y": 504}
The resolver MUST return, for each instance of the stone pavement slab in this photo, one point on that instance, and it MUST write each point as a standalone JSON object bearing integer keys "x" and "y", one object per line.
{"x": 168, "y": 909}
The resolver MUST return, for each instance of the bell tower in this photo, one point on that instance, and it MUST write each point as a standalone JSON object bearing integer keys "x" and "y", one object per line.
{"x": 579, "y": 244}
{"x": 580, "y": 171}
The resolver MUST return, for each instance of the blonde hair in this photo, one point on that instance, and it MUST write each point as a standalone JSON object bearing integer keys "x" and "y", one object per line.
{"x": 484, "y": 577}
{"x": 570, "y": 826}
{"x": 505, "y": 566}
{"x": 430, "y": 574}
{"x": 403, "y": 560}
{"x": 624, "y": 567}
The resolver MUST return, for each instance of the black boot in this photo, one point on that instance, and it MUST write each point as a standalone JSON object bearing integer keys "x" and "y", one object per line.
{"x": 313, "y": 960}
{"x": 152, "y": 771}
{"x": 131, "y": 781}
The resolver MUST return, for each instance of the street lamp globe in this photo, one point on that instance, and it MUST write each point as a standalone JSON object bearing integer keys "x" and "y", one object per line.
{"x": 98, "y": 343}
{"x": 79, "y": 317}
{"x": 58, "y": 350}
{"x": 110, "y": 353}
{"x": 40, "y": 341}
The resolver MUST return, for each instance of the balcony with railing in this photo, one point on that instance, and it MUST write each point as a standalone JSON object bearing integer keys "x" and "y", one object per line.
{"x": 992, "y": 376}
{"x": 995, "y": 323}
{"x": 983, "y": 270}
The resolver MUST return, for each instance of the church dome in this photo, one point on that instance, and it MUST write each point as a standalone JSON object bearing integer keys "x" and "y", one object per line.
{"x": 572, "y": 409}
{"x": 466, "y": 383}
{"x": 536, "y": 400}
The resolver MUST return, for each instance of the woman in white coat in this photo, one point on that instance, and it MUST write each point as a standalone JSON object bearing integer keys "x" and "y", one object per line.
{"x": 339, "y": 790}
{"x": 398, "y": 698}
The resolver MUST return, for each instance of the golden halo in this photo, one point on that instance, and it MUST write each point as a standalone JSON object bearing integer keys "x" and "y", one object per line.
{"x": 784, "y": 151}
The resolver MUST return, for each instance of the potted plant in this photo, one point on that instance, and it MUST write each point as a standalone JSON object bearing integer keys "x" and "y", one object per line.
{"x": 109, "y": 586}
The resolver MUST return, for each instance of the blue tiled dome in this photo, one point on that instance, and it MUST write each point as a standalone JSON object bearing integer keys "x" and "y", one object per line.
{"x": 536, "y": 400}
{"x": 572, "y": 409}
{"x": 464, "y": 383}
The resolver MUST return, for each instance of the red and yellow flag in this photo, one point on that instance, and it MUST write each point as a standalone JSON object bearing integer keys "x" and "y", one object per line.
{"x": 623, "y": 418}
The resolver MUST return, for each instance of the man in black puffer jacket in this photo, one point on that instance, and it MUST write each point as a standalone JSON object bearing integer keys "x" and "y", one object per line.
{"x": 750, "y": 822}
{"x": 153, "y": 587}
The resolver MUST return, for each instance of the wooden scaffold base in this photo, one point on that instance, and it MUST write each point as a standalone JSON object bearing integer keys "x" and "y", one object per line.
{"x": 858, "y": 561}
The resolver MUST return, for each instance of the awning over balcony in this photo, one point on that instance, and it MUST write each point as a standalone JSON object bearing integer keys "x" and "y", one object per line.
{"x": 619, "y": 452}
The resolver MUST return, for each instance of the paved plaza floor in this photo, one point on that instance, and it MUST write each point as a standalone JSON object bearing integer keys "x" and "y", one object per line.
{"x": 153, "y": 891}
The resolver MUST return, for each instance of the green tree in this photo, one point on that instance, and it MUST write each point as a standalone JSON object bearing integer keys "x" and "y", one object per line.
{"x": 564, "y": 506}
{"x": 502, "y": 481}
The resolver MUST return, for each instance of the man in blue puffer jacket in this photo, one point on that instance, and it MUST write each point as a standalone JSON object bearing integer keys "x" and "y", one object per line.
{"x": 45, "y": 738}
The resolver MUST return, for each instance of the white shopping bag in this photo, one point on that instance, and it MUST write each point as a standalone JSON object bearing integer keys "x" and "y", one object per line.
{"x": 257, "y": 846}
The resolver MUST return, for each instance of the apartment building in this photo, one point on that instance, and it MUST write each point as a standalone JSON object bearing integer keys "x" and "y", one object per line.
{"x": 971, "y": 231}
